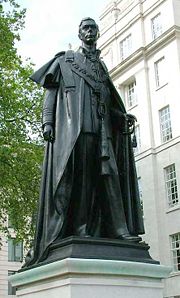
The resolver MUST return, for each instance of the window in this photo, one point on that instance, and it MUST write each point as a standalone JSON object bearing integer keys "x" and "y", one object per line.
{"x": 140, "y": 193}
{"x": 160, "y": 72}
{"x": 139, "y": 187}
{"x": 131, "y": 94}
{"x": 171, "y": 185}
{"x": 138, "y": 139}
{"x": 15, "y": 250}
{"x": 165, "y": 124}
{"x": 11, "y": 290}
{"x": 175, "y": 250}
{"x": 126, "y": 47}
{"x": 156, "y": 26}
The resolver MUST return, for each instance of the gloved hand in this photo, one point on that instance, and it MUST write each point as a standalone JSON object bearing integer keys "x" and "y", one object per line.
{"x": 48, "y": 132}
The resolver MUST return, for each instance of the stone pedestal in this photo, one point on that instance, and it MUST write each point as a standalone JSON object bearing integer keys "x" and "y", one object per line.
{"x": 91, "y": 278}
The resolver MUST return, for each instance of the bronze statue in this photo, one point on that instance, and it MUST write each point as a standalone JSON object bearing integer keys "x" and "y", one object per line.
{"x": 89, "y": 184}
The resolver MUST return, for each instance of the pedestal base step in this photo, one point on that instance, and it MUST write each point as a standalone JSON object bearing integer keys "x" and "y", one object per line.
{"x": 97, "y": 248}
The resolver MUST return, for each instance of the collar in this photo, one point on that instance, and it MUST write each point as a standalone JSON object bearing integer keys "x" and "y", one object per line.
{"x": 93, "y": 56}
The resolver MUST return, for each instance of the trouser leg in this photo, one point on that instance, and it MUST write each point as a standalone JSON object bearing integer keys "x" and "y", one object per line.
{"x": 89, "y": 186}
{"x": 84, "y": 182}
{"x": 113, "y": 216}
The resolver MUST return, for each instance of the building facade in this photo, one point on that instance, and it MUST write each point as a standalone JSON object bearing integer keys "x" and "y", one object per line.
{"x": 140, "y": 44}
{"x": 11, "y": 257}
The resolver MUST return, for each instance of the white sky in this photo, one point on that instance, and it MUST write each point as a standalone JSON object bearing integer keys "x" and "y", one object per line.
{"x": 52, "y": 25}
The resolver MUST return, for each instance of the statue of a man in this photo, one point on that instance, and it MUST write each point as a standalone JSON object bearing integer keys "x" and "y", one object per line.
{"x": 89, "y": 185}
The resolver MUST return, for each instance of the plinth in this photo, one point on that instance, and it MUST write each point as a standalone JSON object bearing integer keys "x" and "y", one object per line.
{"x": 100, "y": 272}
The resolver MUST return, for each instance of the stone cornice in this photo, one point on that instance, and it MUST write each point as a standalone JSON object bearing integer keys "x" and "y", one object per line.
{"x": 157, "y": 150}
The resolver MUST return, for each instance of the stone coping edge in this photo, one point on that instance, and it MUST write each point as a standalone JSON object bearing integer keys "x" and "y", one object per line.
{"x": 90, "y": 267}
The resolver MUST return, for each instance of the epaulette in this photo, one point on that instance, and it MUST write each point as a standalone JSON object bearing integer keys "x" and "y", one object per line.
{"x": 66, "y": 69}
{"x": 69, "y": 56}
{"x": 60, "y": 54}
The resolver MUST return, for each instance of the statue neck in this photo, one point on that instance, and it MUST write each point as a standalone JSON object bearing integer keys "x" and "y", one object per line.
{"x": 89, "y": 48}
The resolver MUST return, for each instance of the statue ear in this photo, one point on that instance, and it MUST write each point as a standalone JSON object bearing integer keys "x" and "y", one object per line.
{"x": 79, "y": 35}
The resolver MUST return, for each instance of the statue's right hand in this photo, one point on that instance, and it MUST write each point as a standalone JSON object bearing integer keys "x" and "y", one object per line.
{"x": 48, "y": 132}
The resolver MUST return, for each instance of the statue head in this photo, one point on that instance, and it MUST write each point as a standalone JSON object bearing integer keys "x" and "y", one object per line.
{"x": 88, "y": 31}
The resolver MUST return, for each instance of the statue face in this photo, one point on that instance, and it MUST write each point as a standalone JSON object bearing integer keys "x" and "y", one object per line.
{"x": 89, "y": 32}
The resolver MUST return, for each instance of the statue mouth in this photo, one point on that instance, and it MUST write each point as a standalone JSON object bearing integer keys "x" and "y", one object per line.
{"x": 90, "y": 36}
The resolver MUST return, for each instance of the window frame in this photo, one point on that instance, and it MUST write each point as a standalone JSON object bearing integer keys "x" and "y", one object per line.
{"x": 171, "y": 186}
{"x": 165, "y": 124}
{"x": 13, "y": 250}
{"x": 137, "y": 133}
{"x": 131, "y": 95}
{"x": 139, "y": 180}
{"x": 125, "y": 47}
{"x": 160, "y": 79}
{"x": 156, "y": 28}
{"x": 175, "y": 251}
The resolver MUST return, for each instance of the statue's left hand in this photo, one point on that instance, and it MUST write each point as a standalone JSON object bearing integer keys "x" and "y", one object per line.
{"x": 131, "y": 119}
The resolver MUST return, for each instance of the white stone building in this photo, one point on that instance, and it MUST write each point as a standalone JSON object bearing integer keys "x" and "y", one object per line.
{"x": 11, "y": 257}
{"x": 140, "y": 43}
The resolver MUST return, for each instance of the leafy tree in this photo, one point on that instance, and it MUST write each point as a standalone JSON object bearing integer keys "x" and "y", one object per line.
{"x": 20, "y": 128}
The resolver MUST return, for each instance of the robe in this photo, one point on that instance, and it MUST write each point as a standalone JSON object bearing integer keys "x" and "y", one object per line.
{"x": 67, "y": 86}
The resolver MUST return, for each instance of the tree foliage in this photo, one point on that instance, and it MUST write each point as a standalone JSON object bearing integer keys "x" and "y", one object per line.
{"x": 20, "y": 142}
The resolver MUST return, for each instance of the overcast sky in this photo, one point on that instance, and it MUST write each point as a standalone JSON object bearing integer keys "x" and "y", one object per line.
{"x": 52, "y": 25}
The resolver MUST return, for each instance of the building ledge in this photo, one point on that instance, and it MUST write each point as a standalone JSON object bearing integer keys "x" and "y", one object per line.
{"x": 145, "y": 52}
{"x": 153, "y": 151}
{"x": 175, "y": 208}
{"x": 161, "y": 87}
